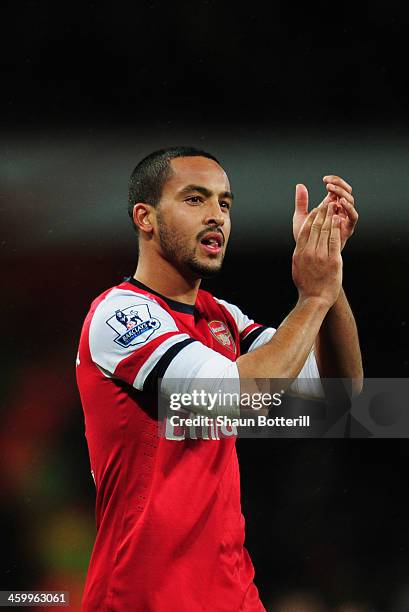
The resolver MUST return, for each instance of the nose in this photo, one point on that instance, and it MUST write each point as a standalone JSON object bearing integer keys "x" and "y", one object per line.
{"x": 213, "y": 214}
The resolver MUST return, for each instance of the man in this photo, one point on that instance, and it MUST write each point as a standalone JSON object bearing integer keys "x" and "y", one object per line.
{"x": 170, "y": 529}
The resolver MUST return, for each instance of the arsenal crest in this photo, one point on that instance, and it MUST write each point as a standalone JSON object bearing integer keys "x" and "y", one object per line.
{"x": 222, "y": 334}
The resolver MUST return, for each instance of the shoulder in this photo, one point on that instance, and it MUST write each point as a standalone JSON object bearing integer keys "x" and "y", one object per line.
{"x": 128, "y": 332}
{"x": 241, "y": 320}
{"x": 120, "y": 309}
{"x": 207, "y": 298}
{"x": 252, "y": 334}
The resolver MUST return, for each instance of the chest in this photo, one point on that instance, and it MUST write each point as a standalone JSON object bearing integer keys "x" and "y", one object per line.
{"x": 214, "y": 328}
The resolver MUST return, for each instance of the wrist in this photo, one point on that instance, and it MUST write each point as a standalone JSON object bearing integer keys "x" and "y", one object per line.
{"x": 317, "y": 303}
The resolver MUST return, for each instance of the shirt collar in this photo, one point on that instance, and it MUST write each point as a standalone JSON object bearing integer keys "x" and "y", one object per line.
{"x": 173, "y": 304}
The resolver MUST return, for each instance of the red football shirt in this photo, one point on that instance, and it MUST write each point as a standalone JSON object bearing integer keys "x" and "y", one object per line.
{"x": 170, "y": 532}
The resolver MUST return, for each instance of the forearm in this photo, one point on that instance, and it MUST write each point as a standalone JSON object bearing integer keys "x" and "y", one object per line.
{"x": 285, "y": 354}
{"x": 337, "y": 346}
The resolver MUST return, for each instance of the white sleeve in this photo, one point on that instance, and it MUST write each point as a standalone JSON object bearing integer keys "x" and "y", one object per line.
{"x": 253, "y": 335}
{"x": 208, "y": 371}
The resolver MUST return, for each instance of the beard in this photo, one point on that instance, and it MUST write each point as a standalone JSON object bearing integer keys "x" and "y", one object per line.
{"x": 174, "y": 250}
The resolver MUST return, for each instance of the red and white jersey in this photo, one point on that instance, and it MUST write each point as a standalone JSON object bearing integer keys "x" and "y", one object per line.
{"x": 170, "y": 532}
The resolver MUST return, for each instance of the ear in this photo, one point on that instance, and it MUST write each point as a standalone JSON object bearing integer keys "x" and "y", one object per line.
{"x": 142, "y": 217}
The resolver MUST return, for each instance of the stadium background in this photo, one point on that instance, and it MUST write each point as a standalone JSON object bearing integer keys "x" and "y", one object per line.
{"x": 281, "y": 96}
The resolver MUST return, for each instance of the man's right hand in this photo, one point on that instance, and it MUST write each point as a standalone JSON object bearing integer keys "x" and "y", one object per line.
{"x": 317, "y": 261}
{"x": 317, "y": 273}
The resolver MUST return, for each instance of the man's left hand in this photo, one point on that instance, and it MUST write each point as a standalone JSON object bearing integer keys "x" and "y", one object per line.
{"x": 338, "y": 191}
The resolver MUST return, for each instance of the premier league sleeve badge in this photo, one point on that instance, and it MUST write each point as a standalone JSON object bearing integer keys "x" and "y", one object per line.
{"x": 133, "y": 325}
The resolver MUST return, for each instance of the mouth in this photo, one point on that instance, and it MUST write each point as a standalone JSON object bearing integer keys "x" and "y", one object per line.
{"x": 212, "y": 243}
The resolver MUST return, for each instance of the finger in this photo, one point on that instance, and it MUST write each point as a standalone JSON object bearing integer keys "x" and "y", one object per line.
{"x": 323, "y": 240}
{"x": 335, "y": 200}
{"x": 340, "y": 209}
{"x": 337, "y": 180}
{"x": 327, "y": 199}
{"x": 340, "y": 192}
{"x": 306, "y": 229}
{"x": 334, "y": 247}
{"x": 316, "y": 226}
{"x": 301, "y": 199}
{"x": 350, "y": 210}
{"x": 332, "y": 197}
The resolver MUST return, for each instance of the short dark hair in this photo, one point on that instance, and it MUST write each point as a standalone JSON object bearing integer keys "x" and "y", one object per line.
{"x": 149, "y": 176}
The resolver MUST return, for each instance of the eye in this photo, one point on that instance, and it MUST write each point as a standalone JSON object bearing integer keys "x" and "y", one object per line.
{"x": 225, "y": 205}
{"x": 194, "y": 199}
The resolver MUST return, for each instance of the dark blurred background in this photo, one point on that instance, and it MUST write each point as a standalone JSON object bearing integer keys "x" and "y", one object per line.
{"x": 282, "y": 94}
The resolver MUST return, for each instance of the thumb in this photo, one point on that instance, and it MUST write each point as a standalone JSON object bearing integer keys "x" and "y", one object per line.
{"x": 301, "y": 199}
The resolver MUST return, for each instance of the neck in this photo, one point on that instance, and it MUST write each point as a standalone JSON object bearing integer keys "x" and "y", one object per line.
{"x": 165, "y": 279}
